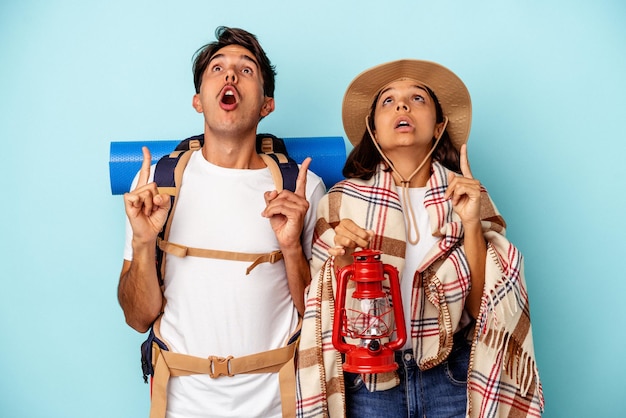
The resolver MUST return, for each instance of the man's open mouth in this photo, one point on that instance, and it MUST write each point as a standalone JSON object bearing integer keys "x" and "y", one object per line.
{"x": 229, "y": 97}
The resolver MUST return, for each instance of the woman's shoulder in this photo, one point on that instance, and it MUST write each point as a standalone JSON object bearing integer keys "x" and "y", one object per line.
{"x": 350, "y": 184}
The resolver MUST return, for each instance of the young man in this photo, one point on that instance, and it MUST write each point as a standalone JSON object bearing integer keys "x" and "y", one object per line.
{"x": 214, "y": 309}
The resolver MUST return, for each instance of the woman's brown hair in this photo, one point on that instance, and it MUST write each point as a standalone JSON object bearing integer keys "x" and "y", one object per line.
{"x": 364, "y": 158}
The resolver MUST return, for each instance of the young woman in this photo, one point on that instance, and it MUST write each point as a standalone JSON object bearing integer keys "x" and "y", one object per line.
{"x": 409, "y": 192}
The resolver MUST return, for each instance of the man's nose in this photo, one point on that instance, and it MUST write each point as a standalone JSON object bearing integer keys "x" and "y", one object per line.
{"x": 230, "y": 76}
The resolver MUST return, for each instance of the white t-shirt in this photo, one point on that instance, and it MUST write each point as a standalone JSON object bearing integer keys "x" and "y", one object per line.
{"x": 213, "y": 307}
{"x": 415, "y": 253}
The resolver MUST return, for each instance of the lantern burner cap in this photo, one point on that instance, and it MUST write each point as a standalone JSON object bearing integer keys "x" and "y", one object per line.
{"x": 374, "y": 346}
{"x": 366, "y": 255}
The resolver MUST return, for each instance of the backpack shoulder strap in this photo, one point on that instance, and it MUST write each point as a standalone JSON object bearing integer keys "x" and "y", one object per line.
{"x": 164, "y": 171}
{"x": 284, "y": 169}
{"x": 168, "y": 175}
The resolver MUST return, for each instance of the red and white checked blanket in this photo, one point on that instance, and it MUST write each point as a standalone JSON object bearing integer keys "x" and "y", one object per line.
{"x": 503, "y": 378}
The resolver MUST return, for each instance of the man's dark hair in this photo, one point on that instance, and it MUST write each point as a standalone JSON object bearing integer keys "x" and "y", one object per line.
{"x": 233, "y": 36}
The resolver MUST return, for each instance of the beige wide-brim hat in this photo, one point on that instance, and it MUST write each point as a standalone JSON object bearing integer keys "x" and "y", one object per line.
{"x": 449, "y": 89}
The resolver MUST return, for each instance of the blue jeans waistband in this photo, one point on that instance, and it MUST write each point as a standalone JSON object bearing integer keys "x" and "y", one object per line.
{"x": 408, "y": 358}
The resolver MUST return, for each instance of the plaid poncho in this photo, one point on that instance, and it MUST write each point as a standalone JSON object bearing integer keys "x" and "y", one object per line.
{"x": 503, "y": 378}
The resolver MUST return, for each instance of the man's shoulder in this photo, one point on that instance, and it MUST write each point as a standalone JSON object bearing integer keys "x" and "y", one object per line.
{"x": 315, "y": 186}
{"x": 313, "y": 178}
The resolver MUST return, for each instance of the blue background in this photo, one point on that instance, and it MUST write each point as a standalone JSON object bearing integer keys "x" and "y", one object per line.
{"x": 548, "y": 88}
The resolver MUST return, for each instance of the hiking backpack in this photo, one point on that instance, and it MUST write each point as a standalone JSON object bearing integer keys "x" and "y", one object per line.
{"x": 168, "y": 175}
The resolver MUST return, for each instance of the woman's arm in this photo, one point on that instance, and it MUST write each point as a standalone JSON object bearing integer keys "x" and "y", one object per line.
{"x": 465, "y": 193}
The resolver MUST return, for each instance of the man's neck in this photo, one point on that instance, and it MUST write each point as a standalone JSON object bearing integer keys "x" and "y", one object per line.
{"x": 232, "y": 151}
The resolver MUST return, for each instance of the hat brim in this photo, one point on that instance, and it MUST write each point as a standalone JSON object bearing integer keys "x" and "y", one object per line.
{"x": 449, "y": 89}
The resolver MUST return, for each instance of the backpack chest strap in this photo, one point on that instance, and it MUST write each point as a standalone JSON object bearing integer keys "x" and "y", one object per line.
{"x": 256, "y": 258}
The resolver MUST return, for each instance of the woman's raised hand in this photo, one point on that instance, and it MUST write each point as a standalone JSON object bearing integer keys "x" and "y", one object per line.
{"x": 464, "y": 190}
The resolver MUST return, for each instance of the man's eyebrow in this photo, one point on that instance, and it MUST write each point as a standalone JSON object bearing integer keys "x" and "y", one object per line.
{"x": 242, "y": 56}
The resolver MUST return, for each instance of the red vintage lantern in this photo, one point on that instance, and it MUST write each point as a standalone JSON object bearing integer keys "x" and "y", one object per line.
{"x": 370, "y": 317}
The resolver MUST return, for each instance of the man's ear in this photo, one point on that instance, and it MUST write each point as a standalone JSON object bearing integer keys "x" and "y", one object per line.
{"x": 195, "y": 102}
{"x": 268, "y": 106}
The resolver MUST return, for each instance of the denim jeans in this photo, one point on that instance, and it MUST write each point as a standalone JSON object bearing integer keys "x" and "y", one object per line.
{"x": 435, "y": 393}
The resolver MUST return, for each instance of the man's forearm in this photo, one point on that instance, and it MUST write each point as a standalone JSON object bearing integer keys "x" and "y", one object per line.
{"x": 298, "y": 275}
{"x": 139, "y": 293}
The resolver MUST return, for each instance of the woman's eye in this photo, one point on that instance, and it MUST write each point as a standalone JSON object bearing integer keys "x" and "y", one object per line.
{"x": 387, "y": 100}
{"x": 247, "y": 70}
{"x": 216, "y": 68}
{"x": 418, "y": 98}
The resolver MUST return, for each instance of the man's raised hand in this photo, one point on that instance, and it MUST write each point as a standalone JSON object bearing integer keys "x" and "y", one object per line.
{"x": 146, "y": 209}
{"x": 286, "y": 210}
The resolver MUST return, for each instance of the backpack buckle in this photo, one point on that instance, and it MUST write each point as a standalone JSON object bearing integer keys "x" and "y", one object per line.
{"x": 194, "y": 144}
{"x": 275, "y": 256}
{"x": 267, "y": 145}
{"x": 220, "y": 366}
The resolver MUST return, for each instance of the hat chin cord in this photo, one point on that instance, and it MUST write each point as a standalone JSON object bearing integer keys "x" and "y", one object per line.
{"x": 409, "y": 214}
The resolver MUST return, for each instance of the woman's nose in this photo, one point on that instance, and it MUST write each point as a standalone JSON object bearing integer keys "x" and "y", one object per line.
{"x": 402, "y": 106}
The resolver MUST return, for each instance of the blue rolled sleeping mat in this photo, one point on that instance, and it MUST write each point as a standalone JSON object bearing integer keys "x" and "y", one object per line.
{"x": 328, "y": 154}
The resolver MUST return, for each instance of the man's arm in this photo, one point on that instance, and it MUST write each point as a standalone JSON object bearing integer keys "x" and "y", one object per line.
{"x": 298, "y": 275}
{"x": 139, "y": 293}
{"x": 287, "y": 211}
